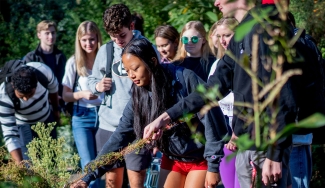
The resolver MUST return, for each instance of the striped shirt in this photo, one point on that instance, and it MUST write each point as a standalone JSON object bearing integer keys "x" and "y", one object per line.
{"x": 35, "y": 109}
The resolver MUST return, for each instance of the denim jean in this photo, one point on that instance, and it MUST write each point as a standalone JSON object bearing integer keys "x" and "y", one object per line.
{"x": 301, "y": 166}
{"x": 84, "y": 128}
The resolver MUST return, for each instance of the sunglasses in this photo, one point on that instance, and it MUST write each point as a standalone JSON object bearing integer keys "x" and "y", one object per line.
{"x": 194, "y": 39}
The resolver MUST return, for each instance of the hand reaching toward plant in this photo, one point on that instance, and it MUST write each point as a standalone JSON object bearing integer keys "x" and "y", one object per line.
{"x": 156, "y": 126}
{"x": 79, "y": 184}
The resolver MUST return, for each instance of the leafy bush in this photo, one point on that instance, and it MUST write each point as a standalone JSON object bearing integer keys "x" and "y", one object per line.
{"x": 47, "y": 167}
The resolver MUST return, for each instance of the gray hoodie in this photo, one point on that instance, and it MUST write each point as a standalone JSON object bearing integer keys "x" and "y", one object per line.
{"x": 112, "y": 105}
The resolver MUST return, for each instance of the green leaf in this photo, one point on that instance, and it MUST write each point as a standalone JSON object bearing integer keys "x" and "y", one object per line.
{"x": 169, "y": 7}
{"x": 316, "y": 120}
{"x": 243, "y": 29}
{"x": 213, "y": 16}
{"x": 201, "y": 88}
{"x": 244, "y": 142}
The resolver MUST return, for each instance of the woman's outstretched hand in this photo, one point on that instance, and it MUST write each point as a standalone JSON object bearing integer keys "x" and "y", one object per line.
{"x": 79, "y": 184}
{"x": 154, "y": 128}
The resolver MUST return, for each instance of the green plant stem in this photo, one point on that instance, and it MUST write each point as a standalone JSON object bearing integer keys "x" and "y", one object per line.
{"x": 255, "y": 91}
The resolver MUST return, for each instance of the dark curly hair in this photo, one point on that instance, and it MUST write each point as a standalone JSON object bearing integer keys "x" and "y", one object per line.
{"x": 116, "y": 17}
{"x": 24, "y": 79}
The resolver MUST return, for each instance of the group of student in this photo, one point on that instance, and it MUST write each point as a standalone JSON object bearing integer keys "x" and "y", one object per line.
{"x": 129, "y": 89}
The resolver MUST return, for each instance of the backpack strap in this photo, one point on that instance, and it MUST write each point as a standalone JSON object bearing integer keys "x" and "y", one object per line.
{"x": 109, "y": 62}
{"x": 76, "y": 78}
{"x": 110, "y": 55}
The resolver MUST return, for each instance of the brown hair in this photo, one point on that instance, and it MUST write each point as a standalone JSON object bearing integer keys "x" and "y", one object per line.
{"x": 168, "y": 32}
{"x": 116, "y": 17}
{"x": 44, "y": 25}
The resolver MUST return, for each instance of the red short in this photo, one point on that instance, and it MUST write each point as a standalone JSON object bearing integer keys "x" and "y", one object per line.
{"x": 182, "y": 167}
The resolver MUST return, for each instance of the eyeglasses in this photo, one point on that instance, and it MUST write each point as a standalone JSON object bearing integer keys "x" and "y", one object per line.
{"x": 194, "y": 39}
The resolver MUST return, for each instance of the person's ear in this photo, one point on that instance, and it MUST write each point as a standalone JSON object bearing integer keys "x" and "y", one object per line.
{"x": 204, "y": 41}
{"x": 154, "y": 60}
{"x": 39, "y": 35}
{"x": 132, "y": 27}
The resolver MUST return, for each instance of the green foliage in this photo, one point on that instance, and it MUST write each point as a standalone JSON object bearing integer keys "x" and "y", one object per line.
{"x": 310, "y": 15}
{"x": 18, "y": 20}
{"x": 112, "y": 157}
{"x": 47, "y": 167}
{"x": 183, "y": 11}
{"x": 318, "y": 176}
{"x": 18, "y": 25}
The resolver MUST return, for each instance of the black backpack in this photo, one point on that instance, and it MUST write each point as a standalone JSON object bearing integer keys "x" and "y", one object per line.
{"x": 310, "y": 42}
{"x": 6, "y": 73}
{"x": 311, "y": 84}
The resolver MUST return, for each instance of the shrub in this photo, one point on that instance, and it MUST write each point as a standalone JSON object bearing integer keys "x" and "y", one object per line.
{"x": 47, "y": 166}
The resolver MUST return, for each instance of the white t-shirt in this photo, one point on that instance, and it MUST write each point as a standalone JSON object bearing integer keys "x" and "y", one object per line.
{"x": 226, "y": 104}
{"x": 82, "y": 84}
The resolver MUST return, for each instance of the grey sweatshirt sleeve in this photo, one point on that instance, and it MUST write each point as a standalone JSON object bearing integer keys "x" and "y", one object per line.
{"x": 215, "y": 131}
{"x": 98, "y": 70}
{"x": 122, "y": 137}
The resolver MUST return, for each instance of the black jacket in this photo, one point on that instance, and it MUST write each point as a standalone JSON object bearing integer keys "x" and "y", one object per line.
{"x": 182, "y": 146}
{"x": 198, "y": 65}
{"x": 298, "y": 97}
{"x": 58, "y": 69}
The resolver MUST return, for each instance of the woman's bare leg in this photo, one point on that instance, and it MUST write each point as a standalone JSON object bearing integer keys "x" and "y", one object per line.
{"x": 114, "y": 178}
{"x": 170, "y": 179}
{"x": 195, "y": 178}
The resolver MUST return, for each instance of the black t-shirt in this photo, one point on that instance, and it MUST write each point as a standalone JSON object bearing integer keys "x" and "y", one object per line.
{"x": 50, "y": 60}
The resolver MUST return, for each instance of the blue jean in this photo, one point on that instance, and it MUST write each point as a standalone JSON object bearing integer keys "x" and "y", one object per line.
{"x": 84, "y": 128}
{"x": 301, "y": 166}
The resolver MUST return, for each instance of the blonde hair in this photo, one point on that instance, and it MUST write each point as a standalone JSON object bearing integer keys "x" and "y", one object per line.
{"x": 205, "y": 49}
{"x": 229, "y": 22}
{"x": 80, "y": 55}
{"x": 212, "y": 30}
{"x": 44, "y": 25}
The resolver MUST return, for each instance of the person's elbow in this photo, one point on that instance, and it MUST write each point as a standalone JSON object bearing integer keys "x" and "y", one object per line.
{"x": 64, "y": 97}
